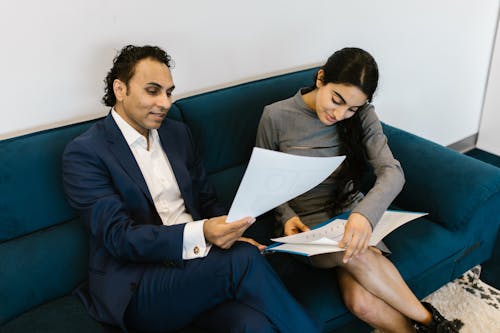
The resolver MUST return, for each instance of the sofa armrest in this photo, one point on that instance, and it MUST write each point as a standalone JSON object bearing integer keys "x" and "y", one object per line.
{"x": 448, "y": 185}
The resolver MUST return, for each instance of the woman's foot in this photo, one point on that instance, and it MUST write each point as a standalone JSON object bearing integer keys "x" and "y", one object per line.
{"x": 439, "y": 324}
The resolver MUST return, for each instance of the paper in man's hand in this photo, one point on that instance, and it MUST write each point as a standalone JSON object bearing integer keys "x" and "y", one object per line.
{"x": 273, "y": 178}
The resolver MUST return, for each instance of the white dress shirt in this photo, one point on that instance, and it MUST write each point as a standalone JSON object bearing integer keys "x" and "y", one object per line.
{"x": 163, "y": 187}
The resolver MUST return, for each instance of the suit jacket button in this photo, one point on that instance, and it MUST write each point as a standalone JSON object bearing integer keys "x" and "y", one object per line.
{"x": 196, "y": 250}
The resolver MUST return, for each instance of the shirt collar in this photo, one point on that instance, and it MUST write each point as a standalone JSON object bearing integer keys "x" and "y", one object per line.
{"x": 132, "y": 136}
{"x": 302, "y": 105}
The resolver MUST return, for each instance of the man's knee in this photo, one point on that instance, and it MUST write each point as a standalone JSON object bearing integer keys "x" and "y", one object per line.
{"x": 242, "y": 251}
{"x": 245, "y": 248}
{"x": 235, "y": 317}
{"x": 248, "y": 264}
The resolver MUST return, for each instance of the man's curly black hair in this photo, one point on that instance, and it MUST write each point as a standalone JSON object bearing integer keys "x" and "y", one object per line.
{"x": 124, "y": 66}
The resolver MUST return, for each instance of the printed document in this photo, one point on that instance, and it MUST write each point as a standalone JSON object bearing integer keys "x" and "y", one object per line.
{"x": 325, "y": 239}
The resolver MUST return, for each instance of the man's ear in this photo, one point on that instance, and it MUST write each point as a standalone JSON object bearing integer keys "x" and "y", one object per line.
{"x": 319, "y": 78}
{"x": 120, "y": 90}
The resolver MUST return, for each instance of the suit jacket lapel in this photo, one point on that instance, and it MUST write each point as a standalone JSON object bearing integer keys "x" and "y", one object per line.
{"x": 171, "y": 146}
{"x": 120, "y": 148}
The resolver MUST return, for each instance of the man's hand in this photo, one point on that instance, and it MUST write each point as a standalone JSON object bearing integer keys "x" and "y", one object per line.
{"x": 294, "y": 226}
{"x": 357, "y": 233}
{"x": 222, "y": 234}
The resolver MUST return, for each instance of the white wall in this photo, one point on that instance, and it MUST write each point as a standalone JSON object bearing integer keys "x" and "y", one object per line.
{"x": 489, "y": 130}
{"x": 433, "y": 55}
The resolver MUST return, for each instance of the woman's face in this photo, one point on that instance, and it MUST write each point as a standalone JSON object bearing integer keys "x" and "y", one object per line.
{"x": 336, "y": 102}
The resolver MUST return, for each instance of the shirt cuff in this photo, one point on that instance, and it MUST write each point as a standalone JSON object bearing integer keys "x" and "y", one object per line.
{"x": 194, "y": 244}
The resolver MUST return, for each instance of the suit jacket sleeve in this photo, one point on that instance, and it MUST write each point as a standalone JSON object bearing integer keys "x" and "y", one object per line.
{"x": 119, "y": 217}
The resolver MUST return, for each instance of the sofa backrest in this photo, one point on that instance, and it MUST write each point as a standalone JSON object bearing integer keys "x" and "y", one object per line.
{"x": 224, "y": 124}
{"x": 428, "y": 184}
{"x": 43, "y": 246}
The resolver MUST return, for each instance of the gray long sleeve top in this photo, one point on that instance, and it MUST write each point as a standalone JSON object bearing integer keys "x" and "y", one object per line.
{"x": 290, "y": 126}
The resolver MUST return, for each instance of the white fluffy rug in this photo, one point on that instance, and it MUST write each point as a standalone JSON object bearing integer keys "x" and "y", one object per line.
{"x": 471, "y": 300}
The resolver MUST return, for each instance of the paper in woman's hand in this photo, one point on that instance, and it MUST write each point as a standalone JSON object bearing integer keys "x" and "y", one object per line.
{"x": 329, "y": 234}
{"x": 326, "y": 238}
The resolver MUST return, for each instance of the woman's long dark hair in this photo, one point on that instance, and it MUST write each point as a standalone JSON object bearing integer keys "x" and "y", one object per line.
{"x": 354, "y": 67}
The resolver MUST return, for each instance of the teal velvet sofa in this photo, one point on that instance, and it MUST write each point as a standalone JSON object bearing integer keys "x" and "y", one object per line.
{"x": 43, "y": 245}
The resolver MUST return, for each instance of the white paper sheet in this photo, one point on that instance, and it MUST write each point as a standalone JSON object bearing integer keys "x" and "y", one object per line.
{"x": 305, "y": 250}
{"x": 391, "y": 220}
{"x": 326, "y": 238}
{"x": 273, "y": 178}
{"x": 329, "y": 234}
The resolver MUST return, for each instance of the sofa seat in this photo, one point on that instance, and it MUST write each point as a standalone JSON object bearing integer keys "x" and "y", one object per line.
{"x": 63, "y": 315}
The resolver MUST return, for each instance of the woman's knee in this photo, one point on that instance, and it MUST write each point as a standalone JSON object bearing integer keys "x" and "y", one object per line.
{"x": 365, "y": 262}
{"x": 356, "y": 298}
{"x": 361, "y": 303}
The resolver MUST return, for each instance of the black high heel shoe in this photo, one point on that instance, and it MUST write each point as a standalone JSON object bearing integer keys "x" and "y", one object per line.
{"x": 439, "y": 323}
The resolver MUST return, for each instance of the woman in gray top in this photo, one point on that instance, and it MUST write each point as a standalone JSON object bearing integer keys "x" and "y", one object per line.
{"x": 335, "y": 117}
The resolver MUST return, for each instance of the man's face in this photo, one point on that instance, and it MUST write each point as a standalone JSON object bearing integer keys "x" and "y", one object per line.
{"x": 148, "y": 97}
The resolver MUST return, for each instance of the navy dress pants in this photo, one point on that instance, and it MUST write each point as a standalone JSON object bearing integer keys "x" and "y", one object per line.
{"x": 233, "y": 290}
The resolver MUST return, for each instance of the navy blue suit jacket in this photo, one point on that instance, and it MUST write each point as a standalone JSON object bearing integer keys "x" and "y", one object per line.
{"x": 104, "y": 183}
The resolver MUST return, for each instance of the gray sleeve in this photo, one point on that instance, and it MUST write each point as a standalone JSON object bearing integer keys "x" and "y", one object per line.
{"x": 267, "y": 133}
{"x": 268, "y": 138}
{"x": 388, "y": 171}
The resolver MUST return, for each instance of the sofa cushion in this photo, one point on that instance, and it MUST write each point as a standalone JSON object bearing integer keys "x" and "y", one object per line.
{"x": 41, "y": 266}
{"x": 226, "y": 183}
{"x": 431, "y": 170}
{"x": 32, "y": 192}
{"x": 480, "y": 231}
{"x": 63, "y": 315}
{"x": 224, "y": 122}
{"x": 175, "y": 113}
{"x": 415, "y": 246}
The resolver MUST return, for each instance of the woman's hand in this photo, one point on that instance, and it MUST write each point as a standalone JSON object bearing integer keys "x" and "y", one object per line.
{"x": 294, "y": 226}
{"x": 357, "y": 233}
{"x": 253, "y": 242}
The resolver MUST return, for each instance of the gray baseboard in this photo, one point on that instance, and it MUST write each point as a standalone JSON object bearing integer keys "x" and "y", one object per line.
{"x": 465, "y": 144}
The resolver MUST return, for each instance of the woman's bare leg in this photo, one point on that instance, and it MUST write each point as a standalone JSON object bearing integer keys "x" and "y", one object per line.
{"x": 370, "y": 308}
{"x": 380, "y": 277}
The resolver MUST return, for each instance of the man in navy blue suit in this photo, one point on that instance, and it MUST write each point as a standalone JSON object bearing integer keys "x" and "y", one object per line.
{"x": 161, "y": 253}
